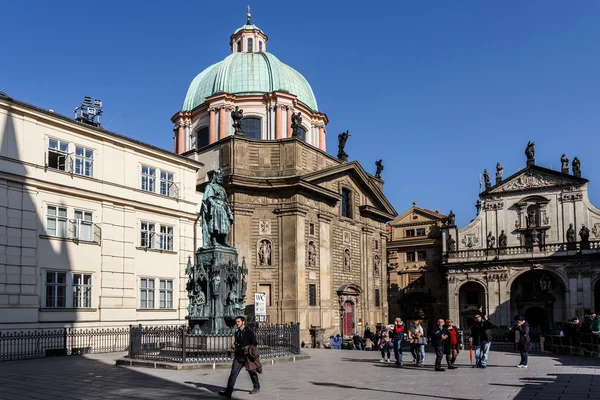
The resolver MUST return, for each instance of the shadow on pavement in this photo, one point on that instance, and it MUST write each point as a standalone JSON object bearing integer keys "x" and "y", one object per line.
{"x": 337, "y": 385}
{"x": 83, "y": 377}
{"x": 562, "y": 386}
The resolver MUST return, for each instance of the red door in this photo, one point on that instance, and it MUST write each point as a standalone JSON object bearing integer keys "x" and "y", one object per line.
{"x": 348, "y": 318}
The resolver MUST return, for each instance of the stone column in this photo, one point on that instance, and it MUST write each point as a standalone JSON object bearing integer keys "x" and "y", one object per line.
{"x": 329, "y": 306}
{"x": 586, "y": 280}
{"x": 212, "y": 128}
{"x": 277, "y": 122}
{"x": 367, "y": 301}
{"x": 288, "y": 128}
{"x": 222, "y": 122}
{"x": 453, "y": 301}
{"x": 572, "y": 292}
{"x": 322, "y": 145}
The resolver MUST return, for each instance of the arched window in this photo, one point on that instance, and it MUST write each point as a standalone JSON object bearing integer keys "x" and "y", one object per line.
{"x": 250, "y": 45}
{"x": 260, "y": 45}
{"x": 239, "y": 46}
{"x": 251, "y": 128}
{"x": 202, "y": 137}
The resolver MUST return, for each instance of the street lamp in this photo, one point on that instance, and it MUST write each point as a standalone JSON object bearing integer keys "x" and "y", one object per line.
{"x": 545, "y": 282}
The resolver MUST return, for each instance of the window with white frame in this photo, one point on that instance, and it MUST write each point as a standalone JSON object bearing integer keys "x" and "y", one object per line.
{"x": 166, "y": 238}
{"x": 83, "y": 227}
{"x": 147, "y": 231}
{"x": 166, "y": 183}
{"x": 56, "y": 289}
{"x": 82, "y": 290}
{"x": 56, "y": 221}
{"x": 58, "y": 283}
{"x": 58, "y": 155}
{"x": 165, "y": 293}
{"x": 84, "y": 161}
{"x": 148, "y": 179}
{"x": 147, "y": 293}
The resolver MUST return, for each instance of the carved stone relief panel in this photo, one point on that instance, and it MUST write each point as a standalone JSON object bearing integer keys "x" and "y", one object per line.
{"x": 470, "y": 240}
{"x": 347, "y": 237}
{"x": 264, "y": 227}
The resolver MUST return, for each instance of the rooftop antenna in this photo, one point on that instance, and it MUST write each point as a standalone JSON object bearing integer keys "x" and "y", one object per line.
{"x": 89, "y": 112}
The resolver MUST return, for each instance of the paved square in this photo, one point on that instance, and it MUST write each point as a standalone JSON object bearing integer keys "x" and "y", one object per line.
{"x": 330, "y": 374}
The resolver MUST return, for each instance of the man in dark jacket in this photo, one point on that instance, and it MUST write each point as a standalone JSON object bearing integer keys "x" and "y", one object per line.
{"x": 438, "y": 335}
{"x": 243, "y": 337}
{"x": 481, "y": 333}
{"x": 398, "y": 335}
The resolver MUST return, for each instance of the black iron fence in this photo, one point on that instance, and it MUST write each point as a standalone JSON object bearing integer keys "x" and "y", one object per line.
{"x": 178, "y": 344}
{"x": 503, "y": 341}
{"x": 40, "y": 343}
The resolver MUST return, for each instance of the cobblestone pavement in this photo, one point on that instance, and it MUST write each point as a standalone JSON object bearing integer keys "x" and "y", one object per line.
{"x": 328, "y": 375}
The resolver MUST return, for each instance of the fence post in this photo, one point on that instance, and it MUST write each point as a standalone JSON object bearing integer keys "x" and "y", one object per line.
{"x": 130, "y": 339}
{"x": 65, "y": 341}
{"x": 183, "y": 346}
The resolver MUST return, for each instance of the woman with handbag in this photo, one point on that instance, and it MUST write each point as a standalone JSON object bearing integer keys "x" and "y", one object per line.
{"x": 417, "y": 342}
{"x": 453, "y": 344}
{"x": 385, "y": 345}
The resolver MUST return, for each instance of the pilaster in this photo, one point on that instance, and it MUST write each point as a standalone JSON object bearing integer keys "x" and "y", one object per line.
{"x": 212, "y": 128}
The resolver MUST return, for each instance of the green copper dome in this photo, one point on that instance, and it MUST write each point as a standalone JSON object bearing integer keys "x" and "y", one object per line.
{"x": 248, "y": 74}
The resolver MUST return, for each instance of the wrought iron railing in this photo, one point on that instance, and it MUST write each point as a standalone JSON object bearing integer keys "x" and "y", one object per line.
{"x": 178, "y": 344}
{"x": 40, "y": 343}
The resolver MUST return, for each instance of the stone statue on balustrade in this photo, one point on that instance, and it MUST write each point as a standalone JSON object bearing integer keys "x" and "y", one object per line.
{"x": 217, "y": 216}
{"x": 237, "y": 116}
{"x": 451, "y": 244}
{"x": 491, "y": 240}
{"x": 571, "y": 236}
{"x": 296, "y": 124}
{"x": 502, "y": 240}
{"x": 584, "y": 234}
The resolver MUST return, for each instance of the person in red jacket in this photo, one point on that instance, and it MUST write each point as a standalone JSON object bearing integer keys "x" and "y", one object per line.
{"x": 398, "y": 335}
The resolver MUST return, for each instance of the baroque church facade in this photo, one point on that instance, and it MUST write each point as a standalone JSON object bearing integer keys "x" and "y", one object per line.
{"x": 533, "y": 249}
{"x": 310, "y": 226}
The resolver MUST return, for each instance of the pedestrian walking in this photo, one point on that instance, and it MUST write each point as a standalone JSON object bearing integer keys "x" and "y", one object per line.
{"x": 398, "y": 333}
{"x": 417, "y": 339}
{"x": 385, "y": 344}
{"x": 244, "y": 339}
{"x": 452, "y": 344}
{"x": 525, "y": 340}
{"x": 481, "y": 333}
{"x": 437, "y": 341}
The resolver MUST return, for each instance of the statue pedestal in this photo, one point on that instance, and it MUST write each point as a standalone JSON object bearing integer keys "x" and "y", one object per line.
{"x": 224, "y": 286}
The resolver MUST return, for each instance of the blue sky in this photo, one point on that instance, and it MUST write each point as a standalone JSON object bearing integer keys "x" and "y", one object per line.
{"x": 439, "y": 90}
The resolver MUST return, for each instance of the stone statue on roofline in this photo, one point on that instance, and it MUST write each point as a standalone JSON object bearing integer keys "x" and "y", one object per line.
{"x": 576, "y": 167}
{"x": 342, "y": 139}
{"x": 564, "y": 161}
{"x": 530, "y": 153}
{"x": 379, "y": 165}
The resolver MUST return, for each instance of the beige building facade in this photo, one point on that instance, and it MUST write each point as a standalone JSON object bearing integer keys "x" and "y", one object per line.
{"x": 312, "y": 229}
{"x": 95, "y": 228}
{"x": 416, "y": 287}
{"x": 533, "y": 249}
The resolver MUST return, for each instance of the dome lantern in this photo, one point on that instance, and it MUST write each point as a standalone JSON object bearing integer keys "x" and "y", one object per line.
{"x": 249, "y": 38}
